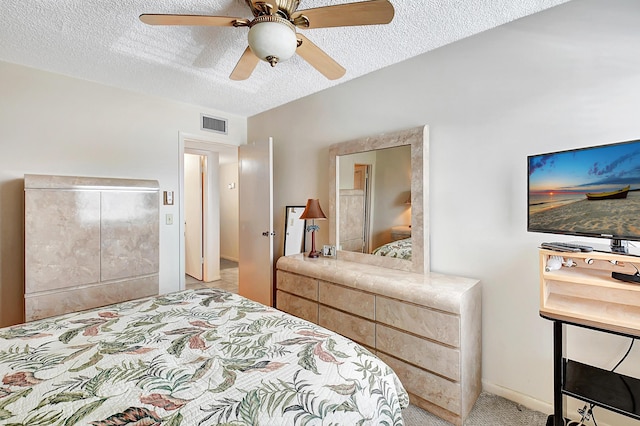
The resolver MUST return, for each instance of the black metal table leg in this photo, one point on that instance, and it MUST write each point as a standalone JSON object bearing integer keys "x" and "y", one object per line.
{"x": 558, "y": 354}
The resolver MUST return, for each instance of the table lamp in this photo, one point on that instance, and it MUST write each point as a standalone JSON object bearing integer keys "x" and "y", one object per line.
{"x": 313, "y": 211}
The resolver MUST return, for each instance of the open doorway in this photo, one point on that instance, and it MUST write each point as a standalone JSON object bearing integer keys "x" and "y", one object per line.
{"x": 209, "y": 214}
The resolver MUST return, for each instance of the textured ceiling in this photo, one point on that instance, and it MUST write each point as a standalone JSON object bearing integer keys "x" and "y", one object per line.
{"x": 104, "y": 41}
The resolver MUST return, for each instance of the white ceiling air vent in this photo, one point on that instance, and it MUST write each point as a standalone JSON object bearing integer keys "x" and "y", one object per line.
{"x": 213, "y": 124}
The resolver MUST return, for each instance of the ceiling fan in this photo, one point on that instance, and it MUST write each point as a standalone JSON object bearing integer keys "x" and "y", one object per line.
{"x": 272, "y": 31}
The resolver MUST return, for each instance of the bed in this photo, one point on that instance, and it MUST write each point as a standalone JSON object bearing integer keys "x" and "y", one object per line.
{"x": 400, "y": 249}
{"x": 196, "y": 357}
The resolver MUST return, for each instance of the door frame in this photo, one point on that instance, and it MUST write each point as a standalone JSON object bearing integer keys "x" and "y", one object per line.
{"x": 210, "y": 148}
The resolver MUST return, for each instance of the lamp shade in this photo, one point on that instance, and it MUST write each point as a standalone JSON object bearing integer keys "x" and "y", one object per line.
{"x": 313, "y": 210}
{"x": 272, "y": 40}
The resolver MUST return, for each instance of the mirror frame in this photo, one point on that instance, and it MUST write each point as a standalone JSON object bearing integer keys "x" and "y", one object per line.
{"x": 418, "y": 138}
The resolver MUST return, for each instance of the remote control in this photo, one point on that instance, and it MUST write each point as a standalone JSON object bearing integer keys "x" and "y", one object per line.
{"x": 558, "y": 247}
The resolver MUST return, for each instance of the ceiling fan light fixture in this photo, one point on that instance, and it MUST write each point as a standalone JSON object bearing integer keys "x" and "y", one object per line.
{"x": 272, "y": 39}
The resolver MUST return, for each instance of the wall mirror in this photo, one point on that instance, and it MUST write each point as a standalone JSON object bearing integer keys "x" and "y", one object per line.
{"x": 379, "y": 200}
{"x": 294, "y": 230}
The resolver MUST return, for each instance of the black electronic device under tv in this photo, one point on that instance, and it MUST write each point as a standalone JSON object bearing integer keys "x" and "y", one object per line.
{"x": 589, "y": 192}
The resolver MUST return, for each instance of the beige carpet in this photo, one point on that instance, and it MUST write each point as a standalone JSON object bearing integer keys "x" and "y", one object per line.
{"x": 490, "y": 410}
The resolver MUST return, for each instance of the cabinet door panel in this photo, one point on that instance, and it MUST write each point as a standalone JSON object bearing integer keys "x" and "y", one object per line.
{"x": 129, "y": 234}
{"x": 62, "y": 239}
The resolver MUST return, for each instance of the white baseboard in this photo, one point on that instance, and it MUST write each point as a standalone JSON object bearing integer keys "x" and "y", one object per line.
{"x": 517, "y": 397}
{"x": 232, "y": 259}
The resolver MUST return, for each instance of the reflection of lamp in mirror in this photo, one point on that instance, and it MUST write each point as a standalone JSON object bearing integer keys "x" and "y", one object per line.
{"x": 313, "y": 212}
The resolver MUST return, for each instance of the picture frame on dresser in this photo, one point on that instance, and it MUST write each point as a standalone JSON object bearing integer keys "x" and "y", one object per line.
{"x": 295, "y": 230}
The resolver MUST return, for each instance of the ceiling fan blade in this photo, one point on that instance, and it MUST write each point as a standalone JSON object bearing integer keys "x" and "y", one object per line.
{"x": 319, "y": 59}
{"x": 216, "y": 21}
{"x": 245, "y": 65}
{"x": 341, "y": 15}
{"x": 268, "y": 7}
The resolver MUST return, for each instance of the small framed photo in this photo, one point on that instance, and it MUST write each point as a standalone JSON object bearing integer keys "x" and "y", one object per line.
{"x": 328, "y": 251}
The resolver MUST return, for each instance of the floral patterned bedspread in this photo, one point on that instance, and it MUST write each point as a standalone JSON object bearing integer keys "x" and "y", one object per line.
{"x": 400, "y": 249}
{"x": 199, "y": 357}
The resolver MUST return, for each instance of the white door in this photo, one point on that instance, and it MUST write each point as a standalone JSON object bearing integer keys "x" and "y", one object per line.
{"x": 193, "y": 250}
{"x": 255, "y": 185}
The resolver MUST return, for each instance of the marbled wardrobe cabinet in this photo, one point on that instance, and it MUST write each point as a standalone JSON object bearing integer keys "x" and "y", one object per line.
{"x": 89, "y": 242}
{"x": 427, "y": 327}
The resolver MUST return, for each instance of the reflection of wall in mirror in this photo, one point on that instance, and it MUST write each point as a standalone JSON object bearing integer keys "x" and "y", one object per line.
{"x": 390, "y": 182}
{"x": 348, "y": 164}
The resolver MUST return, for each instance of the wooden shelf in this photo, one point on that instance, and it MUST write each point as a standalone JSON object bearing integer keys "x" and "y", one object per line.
{"x": 603, "y": 388}
{"x": 586, "y": 294}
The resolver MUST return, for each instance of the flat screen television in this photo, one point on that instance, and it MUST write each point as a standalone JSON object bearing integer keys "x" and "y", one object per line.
{"x": 589, "y": 192}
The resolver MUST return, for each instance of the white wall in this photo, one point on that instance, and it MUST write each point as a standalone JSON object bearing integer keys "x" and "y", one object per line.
{"x": 51, "y": 124}
{"x": 567, "y": 77}
{"x": 229, "y": 216}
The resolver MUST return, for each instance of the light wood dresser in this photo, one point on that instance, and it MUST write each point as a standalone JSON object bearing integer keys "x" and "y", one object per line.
{"x": 427, "y": 327}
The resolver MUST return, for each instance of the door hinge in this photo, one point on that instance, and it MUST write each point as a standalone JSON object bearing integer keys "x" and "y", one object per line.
{"x": 202, "y": 260}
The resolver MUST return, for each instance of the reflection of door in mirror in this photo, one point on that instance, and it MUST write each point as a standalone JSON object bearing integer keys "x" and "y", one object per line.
{"x": 355, "y": 205}
{"x": 360, "y": 175}
{"x": 294, "y": 230}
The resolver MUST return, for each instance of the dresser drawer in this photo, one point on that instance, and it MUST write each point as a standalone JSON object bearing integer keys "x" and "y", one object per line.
{"x": 306, "y": 287}
{"x": 39, "y": 306}
{"x": 417, "y": 351}
{"x": 435, "y": 389}
{"x": 431, "y": 324}
{"x": 348, "y": 300}
{"x": 298, "y": 306}
{"x": 355, "y": 328}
